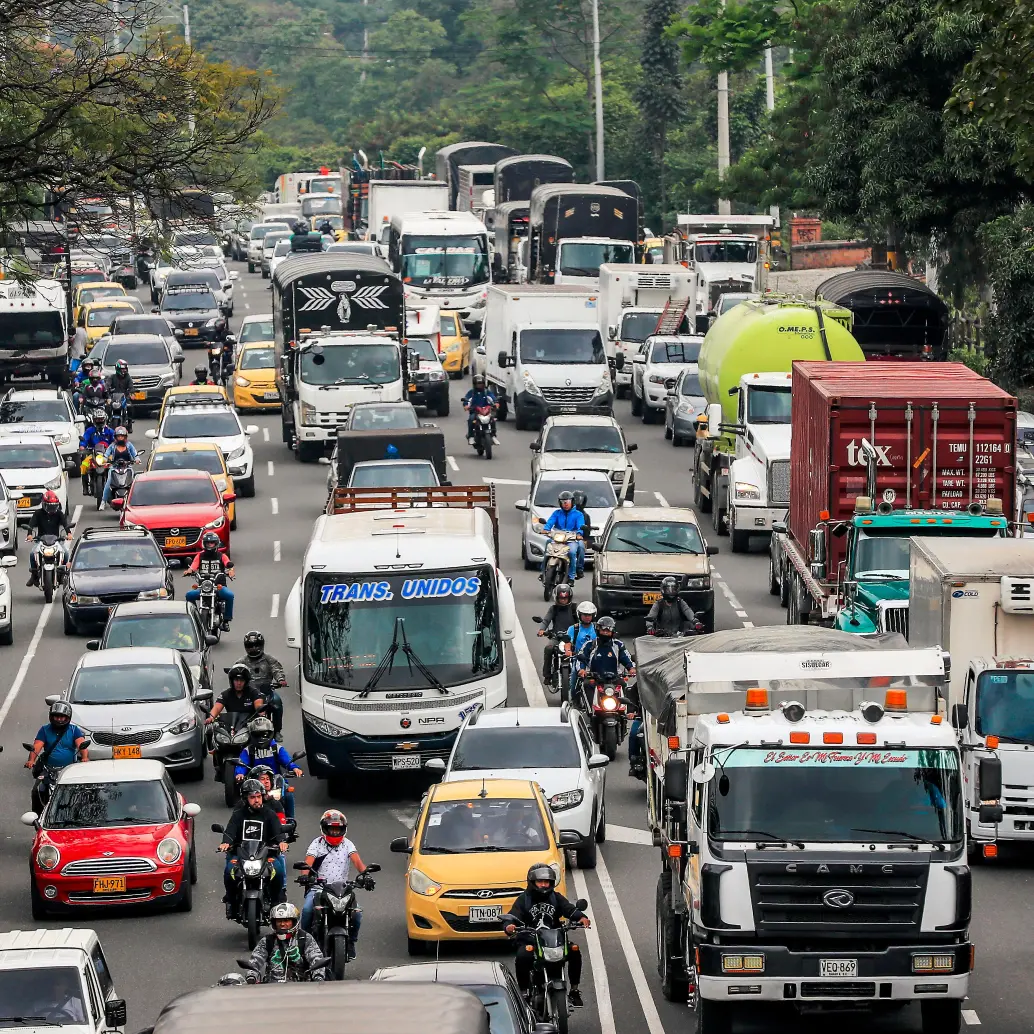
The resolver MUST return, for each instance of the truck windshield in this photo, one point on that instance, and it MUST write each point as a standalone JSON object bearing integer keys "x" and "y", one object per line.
{"x": 562, "y": 347}
{"x": 44, "y": 997}
{"x": 768, "y": 405}
{"x": 352, "y": 364}
{"x": 579, "y": 258}
{"x": 854, "y": 796}
{"x": 41, "y": 329}
{"x": 450, "y": 621}
{"x": 726, "y": 251}
{"x": 883, "y": 552}
{"x": 448, "y": 261}
{"x": 1005, "y": 705}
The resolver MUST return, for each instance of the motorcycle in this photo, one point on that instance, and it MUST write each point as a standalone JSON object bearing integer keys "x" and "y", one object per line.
{"x": 44, "y": 777}
{"x": 98, "y": 474}
{"x": 120, "y": 411}
{"x": 559, "y": 680}
{"x": 215, "y": 360}
{"x": 209, "y": 606}
{"x": 607, "y": 708}
{"x": 51, "y": 562}
{"x": 483, "y": 417}
{"x": 255, "y": 873}
{"x": 548, "y": 993}
{"x": 289, "y": 975}
{"x": 121, "y": 481}
{"x": 557, "y": 561}
{"x": 226, "y": 737}
{"x": 332, "y": 915}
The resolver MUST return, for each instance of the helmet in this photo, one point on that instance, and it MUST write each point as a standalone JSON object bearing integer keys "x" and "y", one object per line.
{"x": 261, "y": 730}
{"x": 95, "y": 373}
{"x": 60, "y": 712}
{"x": 562, "y": 594}
{"x": 121, "y": 367}
{"x": 541, "y": 872}
{"x": 230, "y": 980}
{"x": 51, "y": 503}
{"x": 86, "y": 365}
{"x": 121, "y": 434}
{"x": 478, "y": 380}
{"x": 284, "y": 919}
{"x": 210, "y": 542}
{"x": 239, "y": 671}
{"x": 254, "y": 644}
{"x": 201, "y": 373}
{"x": 580, "y": 499}
{"x": 670, "y": 588}
{"x": 250, "y": 786}
{"x": 586, "y": 610}
{"x": 606, "y": 627}
{"x": 99, "y": 418}
{"x": 260, "y": 770}
{"x": 565, "y": 497}
{"x": 334, "y": 826}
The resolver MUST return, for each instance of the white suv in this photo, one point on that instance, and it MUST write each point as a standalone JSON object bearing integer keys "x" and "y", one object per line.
{"x": 255, "y": 236}
{"x": 44, "y": 411}
{"x": 552, "y": 746}
{"x": 656, "y": 367}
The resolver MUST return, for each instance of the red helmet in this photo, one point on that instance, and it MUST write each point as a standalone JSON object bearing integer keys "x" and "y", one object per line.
{"x": 51, "y": 503}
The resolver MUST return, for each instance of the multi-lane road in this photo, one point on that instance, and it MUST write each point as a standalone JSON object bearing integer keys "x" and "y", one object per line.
{"x": 158, "y": 956}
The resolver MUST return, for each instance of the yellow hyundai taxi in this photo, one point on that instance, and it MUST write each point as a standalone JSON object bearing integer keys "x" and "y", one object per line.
{"x": 97, "y": 317}
{"x": 454, "y": 344}
{"x": 184, "y": 394}
{"x": 469, "y": 855}
{"x": 254, "y": 377}
{"x": 206, "y": 456}
{"x": 94, "y": 292}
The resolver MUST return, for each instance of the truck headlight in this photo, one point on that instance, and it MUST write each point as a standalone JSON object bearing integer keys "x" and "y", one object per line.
{"x": 531, "y": 387}
{"x": 612, "y": 579}
{"x": 698, "y": 583}
{"x": 308, "y": 413}
{"x": 656, "y": 378}
{"x": 745, "y": 490}
{"x": 933, "y": 963}
{"x": 437, "y": 375}
{"x": 565, "y": 800}
{"x": 743, "y": 963}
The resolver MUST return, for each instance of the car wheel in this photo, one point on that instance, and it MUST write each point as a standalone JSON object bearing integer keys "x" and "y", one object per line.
{"x": 637, "y": 403}
{"x": 667, "y": 432}
{"x": 233, "y": 522}
{"x": 185, "y": 901}
{"x": 601, "y": 828}
{"x": 443, "y": 407}
{"x": 39, "y": 906}
{"x": 193, "y": 866}
{"x": 415, "y": 947}
{"x": 585, "y": 856}
{"x": 7, "y": 634}
{"x": 69, "y": 625}
{"x": 529, "y": 564}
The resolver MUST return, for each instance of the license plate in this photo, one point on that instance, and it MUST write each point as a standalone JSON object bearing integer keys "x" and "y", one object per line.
{"x": 109, "y": 885}
{"x": 412, "y": 387}
{"x": 651, "y": 597}
{"x": 138, "y": 396}
{"x": 175, "y": 541}
{"x": 838, "y": 967}
{"x": 271, "y": 396}
{"x": 485, "y": 913}
{"x": 399, "y": 761}
{"x": 126, "y": 752}
{"x": 191, "y": 332}
{"x": 24, "y": 503}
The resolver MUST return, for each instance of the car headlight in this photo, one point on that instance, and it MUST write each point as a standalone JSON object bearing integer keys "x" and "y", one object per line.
{"x": 217, "y": 523}
{"x": 237, "y": 453}
{"x": 437, "y": 375}
{"x": 421, "y": 884}
{"x": 554, "y": 953}
{"x": 242, "y": 382}
{"x": 325, "y": 727}
{"x": 54, "y": 484}
{"x": 657, "y": 378}
{"x": 3, "y": 588}
{"x": 169, "y": 851}
{"x": 62, "y": 439}
{"x": 530, "y": 386}
{"x": 612, "y": 579}
{"x": 252, "y": 867}
{"x": 5, "y": 511}
{"x": 76, "y": 598}
{"x": 698, "y": 583}
{"x": 47, "y": 857}
{"x": 686, "y": 408}
{"x": 568, "y": 799}
{"x": 153, "y": 594}
{"x": 166, "y": 381}
{"x": 745, "y": 490}
{"x": 178, "y": 728}
{"x": 308, "y": 413}
{"x": 216, "y": 321}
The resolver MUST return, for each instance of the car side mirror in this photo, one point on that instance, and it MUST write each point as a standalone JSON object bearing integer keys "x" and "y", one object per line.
{"x": 191, "y": 809}
{"x": 779, "y": 527}
{"x": 8, "y": 561}
{"x": 569, "y": 838}
{"x": 435, "y": 764}
{"x": 522, "y": 505}
{"x": 228, "y": 497}
{"x": 712, "y": 551}
{"x": 234, "y": 275}
{"x": 251, "y": 429}
{"x": 156, "y": 310}
{"x": 598, "y": 761}
{"x": 632, "y": 447}
{"x": 179, "y": 360}
{"x": 204, "y": 696}
{"x": 211, "y": 640}
{"x": 115, "y": 1013}
{"x": 400, "y": 845}
{"x": 51, "y": 699}
{"x": 93, "y": 644}
{"x": 151, "y": 432}
{"x": 117, "y": 504}
{"x": 535, "y": 446}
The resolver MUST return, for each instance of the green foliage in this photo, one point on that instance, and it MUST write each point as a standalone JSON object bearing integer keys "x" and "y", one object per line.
{"x": 728, "y": 36}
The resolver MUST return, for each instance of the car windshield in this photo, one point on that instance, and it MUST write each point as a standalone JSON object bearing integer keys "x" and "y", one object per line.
{"x": 26, "y": 457}
{"x": 182, "y": 301}
{"x": 92, "y": 805}
{"x": 355, "y": 248}
{"x": 208, "y": 460}
{"x": 257, "y": 359}
{"x": 685, "y": 351}
{"x": 585, "y": 259}
{"x": 141, "y": 325}
{"x": 884, "y": 553}
{"x": 196, "y": 424}
{"x": 100, "y": 556}
{"x": 726, "y": 251}
{"x": 730, "y": 301}
{"x": 383, "y": 418}
{"x": 532, "y": 747}
{"x": 165, "y": 631}
{"x": 257, "y": 330}
{"x": 352, "y": 364}
{"x": 281, "y": 248}
{"x": 260, "y": 231}
{"x": 484, "y": 824}
{"x": 84, "y": 277}
{"x": 884, "y": 795}
{"x": 271, "y": 240}
{"x": 496, "y": 1001}
{"x": 51, "y": 996}
{"x": 102, "y": 317}
{"x": 588, "y": 438}
{"x": 690, "y": 385}
{"x": 423, "y": 348}
{"x": 447, "y": 326}
{"x": 127, "y": 684}
{"x": 598, "y": 494}
{"x": 768, "y": 405}
{"x": 393, "y": 475}
{"x": 34, "y": 411}
{"x": 1005, "y": 705}
{"x": 653, "y": 537}
{"x": 91, "y": 294}
{"x": 137, "y": 353}
{"x": 172, "y": 491}
{"x": 562, "y": 347}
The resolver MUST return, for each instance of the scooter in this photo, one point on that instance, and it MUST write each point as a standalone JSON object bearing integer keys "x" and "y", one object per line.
{"x": 557, "y": 560}
{"x": 121, "y": 482}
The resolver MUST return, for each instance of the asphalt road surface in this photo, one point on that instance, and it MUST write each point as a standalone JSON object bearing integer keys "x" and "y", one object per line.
{"x": 158, "y": 956}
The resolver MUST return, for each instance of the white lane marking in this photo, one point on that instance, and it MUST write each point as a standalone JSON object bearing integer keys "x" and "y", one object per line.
{"x": 748, "y": 624}
{"x": 452, "y": 463}
{"x": 276, "y": 550}
{"x": 629, "y": 835}
{"x": 528, "y": 668}
{"x": 275, "y": 607}
{"x": 30, "y": 653}
{"x": 741, "y": 613}
{"x": 733, "y": 601}
{"x": 269, "y": 468}
{"x": 274, "y": 503}
{"x": 660, "y": 499}
{"x": 970, "y": 1016}
{"x": 600, "y": 979}
{"x": 246, "y": 305}
{"x": 505, "y": 481}
{"x": 642, "y": 988}
{"x": 265, "y": 434}
{"x": 407, "y": 816}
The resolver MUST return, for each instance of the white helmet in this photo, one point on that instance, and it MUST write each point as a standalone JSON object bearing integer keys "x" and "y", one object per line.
{"x": 586, "y": 608}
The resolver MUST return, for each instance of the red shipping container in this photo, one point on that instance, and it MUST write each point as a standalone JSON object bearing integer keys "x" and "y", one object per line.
{"x": 944, "y": 435}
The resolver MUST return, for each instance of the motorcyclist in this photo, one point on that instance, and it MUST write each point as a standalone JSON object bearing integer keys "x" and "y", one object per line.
{"x": 82, "y": 378}
{"x": 560, "y": 616}
{"x": 211, "y": 562}
{"x": 326, "y": 228}
{"x": 582, "y": 633}
{"x": 539, "y": 905}
{"x": 49, "y": 519}
{"x": 286, "y": 949}
{"x": 93, "y": 394}
{"x": 479, "y": 395}
{"x": 331, "y": 856}
{"x": 267, "y": 675}
{"x": 566, "y": 518}
{"x": 239, "y": 697}
{"x": 254, "y": 809}
{"x": 201, "y": 376}
{"x": 99, "y": 435}
{"x": 670, "y": 614}
{"x": 266, "y": 776}
{"x": 263, "y": 749}
{"x": 604, "y": 658}
{"x": 57, "y": 744}
{"x": 580, "y": 499}
{"x": 121, "y": 382}
{"x": 120, "y": 449}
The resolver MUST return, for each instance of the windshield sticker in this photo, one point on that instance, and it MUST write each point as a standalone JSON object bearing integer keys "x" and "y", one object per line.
{"x": 412, "y": 589}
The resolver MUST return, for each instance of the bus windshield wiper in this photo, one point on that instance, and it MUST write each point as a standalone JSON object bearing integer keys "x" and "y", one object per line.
{"x": 384, "y": 664}
{"x": 414, "y": 661}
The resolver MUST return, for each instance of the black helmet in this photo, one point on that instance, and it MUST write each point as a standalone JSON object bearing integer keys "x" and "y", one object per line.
{"x": 260, "y": 770}
{"x": 541, "y": 872}
{"x": 562, "y": 594}
{"x": 261, "y": 730}
{"x": 670, "y": 588}
{"x": 478, "y": 380}
{"x": 239, "y": 671}
{"x": 210, "y": 542}
{"x": 565, "y": 497}
{"x": 250, "y": 786}
{"x": 121, "y": 367}
{"x": 60, "y": 712}
{"x": 605, "y": 628}
{"x": 254, "y": 644}
{"x": 201, "y": 373}
{"x": 580, "y": 499}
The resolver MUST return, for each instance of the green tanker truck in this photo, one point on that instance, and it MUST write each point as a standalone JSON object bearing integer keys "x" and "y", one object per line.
{"x": 741, "y": 469}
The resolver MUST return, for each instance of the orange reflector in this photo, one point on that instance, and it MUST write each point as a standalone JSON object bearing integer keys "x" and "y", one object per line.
{"x": 896, "y": 700}
{"x": 757, "y": 699}
{"x": 673, "y": 743}
{"x": 990, "y": 850}
{"x": 866, "y": 738}
{"x": 972, "y": 957}
{"x": 936, "y": 719}
{"x": 674, "y": 850}
{"x": 722, "y": 719}
{"x": 991, "y": 742}
{"x": 823, "y": 515}
{"x": 879, "y": 681}
{"x": 800, "y": 737}
{"x": 832, "y": 737}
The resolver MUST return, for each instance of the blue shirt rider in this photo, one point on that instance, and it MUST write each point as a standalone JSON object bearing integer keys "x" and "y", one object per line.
{"x": 581, "y": 635}
{"x": 479, "y": 395}
{"x": 98, "y": 433}
{"x": 264, "y": 750}
{"x": 567, "y": 517}
{"x": 120, "y": 448}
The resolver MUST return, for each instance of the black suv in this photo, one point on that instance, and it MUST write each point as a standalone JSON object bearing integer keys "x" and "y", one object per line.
{"x": 194, "y": 314}
{"x": 109, "y": 566}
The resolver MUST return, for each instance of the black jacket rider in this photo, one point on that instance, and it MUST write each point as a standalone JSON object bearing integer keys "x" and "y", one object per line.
{"x": 670, "y": 616}
{"x": 531, "y": 910}
{"x": 44, "y": 523}
{"x": 120, "y": 385}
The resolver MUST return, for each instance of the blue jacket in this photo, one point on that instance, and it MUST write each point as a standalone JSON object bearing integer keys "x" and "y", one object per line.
{"x": 478, "y": 398}
{"x": 274, "y": 755}
{"x": 92, "y": 437}
{"x": 129, "y": 446}
{"x": 603, "y": 661}
{"x": 566, "y": 520}
{"x": 581, "y": 636}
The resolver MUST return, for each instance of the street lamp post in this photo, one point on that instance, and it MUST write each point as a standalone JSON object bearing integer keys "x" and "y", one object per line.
{"x": 598, "y": 73}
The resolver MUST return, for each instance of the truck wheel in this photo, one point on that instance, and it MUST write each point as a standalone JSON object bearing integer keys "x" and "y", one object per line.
{"x": 791, "y": 597}
{"x": 674, "y": 980}
{"x": 714, "y": 1017}
{"x": 784, "y": 586}
{"x": 720, "y": 520}
{"x": 443, "y": 407}
{"x": 740, "y": 541}
{"x": 502, "y": 410}
{"x": 519, "y": 420}
{"x": 942, "y": 1017}
{"x": 773, "y": 580}
{"x": 700, "y": 501}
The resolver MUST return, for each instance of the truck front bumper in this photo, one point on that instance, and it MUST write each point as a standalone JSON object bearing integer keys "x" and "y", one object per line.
{"x": 755, "y": 519}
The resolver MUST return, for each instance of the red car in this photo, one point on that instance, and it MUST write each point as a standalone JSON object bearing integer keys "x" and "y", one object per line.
{"x": 113, "y": 833}
{"x": 177, "y": 507}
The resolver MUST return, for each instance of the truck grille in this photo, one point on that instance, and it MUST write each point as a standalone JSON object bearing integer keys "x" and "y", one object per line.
{"x": 894, "y": 618}
{"x": 855, "y": 989}
{"x": 113, "y": 739}
{"x": 720, "y": 287}
{"x": 779, "y": 482}
{"x": 794, "y": 898}
{"x": 568, "y": 396}
{"x": 108, "y": 867}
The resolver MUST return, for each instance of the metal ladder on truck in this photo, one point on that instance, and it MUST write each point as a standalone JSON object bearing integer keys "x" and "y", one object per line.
{"x": 671, "y": 318}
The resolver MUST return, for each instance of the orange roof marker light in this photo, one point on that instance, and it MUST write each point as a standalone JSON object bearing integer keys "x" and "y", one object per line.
{"x": 896, "y": 700}
{"x": 757, "y": 699}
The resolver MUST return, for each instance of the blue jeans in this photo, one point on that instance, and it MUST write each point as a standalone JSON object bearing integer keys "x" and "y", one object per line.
{"x": 635, "y": 746}
{"x": 221, "y": 592}
{"x": 277, "y": 886}
{"x": 576, "y": 559}
{"x": 310, "y": 905}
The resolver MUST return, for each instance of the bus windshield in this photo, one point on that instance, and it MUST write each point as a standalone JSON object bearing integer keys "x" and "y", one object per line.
{"x": 456, "y": 260}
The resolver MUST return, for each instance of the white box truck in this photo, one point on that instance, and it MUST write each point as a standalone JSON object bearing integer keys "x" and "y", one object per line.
{"x": 544, "y": 352}
{"x": 402, "y": 197}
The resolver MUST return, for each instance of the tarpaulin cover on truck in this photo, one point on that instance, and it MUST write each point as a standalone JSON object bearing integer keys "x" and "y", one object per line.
{"x": 412, "y": 443}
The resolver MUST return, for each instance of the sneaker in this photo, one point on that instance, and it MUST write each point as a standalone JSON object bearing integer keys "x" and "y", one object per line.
{"x": 580, "y": 574}
{"x": 229, "y": 910}
{"x": 574, "y": 996}
{"x": 225, "y": 626}
{"x": 495, "y": 441}
{"x": 351, "y": 953}
{"x": 31, "y": 582}
{"x": 103, "y": 506}
{"x": 470, "y": 440}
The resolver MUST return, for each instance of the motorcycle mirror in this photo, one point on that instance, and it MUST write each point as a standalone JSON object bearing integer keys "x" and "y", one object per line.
{"x": 86, "y": 744}
{"x": 506, "y": 919}
{"x": 536, "y": 619}
{"x": 216, "y": 828}
{"x": 117, "y": 504}
{"x": 373, "y": 867}
{"x": 321, "y": 963}
{"x": 435, "y": 764}
{"x": 581, "y": 904}
{"x": 52, "y": 698}
{"x": 27, "y": 746}
{"x": 299, "y": 866}
{"x": 298, "y": 755}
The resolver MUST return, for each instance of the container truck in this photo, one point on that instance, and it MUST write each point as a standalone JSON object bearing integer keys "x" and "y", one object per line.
{"x": 447, "y": 161}
{"x": 388, "y": 198}
{"x": 977, "y": 600}
{"x": 741, "y": 468}
{"x": 879, "y": 453}
{"x": 810, "y": 826}
{"x": 290, "y": 185}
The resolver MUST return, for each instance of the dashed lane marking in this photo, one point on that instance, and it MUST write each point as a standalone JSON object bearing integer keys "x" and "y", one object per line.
{"x": 270, "y": 468}
{"x": 452, "y": 463}
{"x": 970, "y": 1016}
{"x": 275, "y": 607}
{"x": 660, "y": 499}
{"x": 629, "y": 835}
{"x": 265, "y": 434}
{"x": 600, "y": 979}
{"x": 276, "y": 550}
{"x": 275, "y": 504}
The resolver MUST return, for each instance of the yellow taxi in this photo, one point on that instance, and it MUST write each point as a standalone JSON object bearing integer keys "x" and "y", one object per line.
{"x": 454, "y": 344}
{"x": 206, "y": 456}
{"x": 653, "y": 250}
{"x": 337, "y": 223}
{"x": 97, "y": 317}
{"x": 254, "y": 377}
{"x": 469, "y": 855}
{"x": 94, "y": 292}
{"x": 185, "y": 393}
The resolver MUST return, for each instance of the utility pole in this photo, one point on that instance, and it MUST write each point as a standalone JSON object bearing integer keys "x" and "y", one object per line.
{"x": 598, "y": 73}
{"x": 724, "y": 206}
{"x": 186, "y": 39}
{"x": 366, "y": 43}
{"x": 770, "y": 105}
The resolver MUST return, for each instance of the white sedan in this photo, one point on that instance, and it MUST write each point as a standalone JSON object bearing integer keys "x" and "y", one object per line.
{"x": 30, "y": 464}
{"x": 44, "y": 411}
{"x": 6, "y": 601}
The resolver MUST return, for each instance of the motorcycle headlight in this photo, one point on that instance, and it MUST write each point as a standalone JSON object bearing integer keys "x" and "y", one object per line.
{"x": 47, "y": 857}
{"x": 252, "y": 867}
{"x": 336, "y": 903}
{"x": 182, "y": 725}
{"x": 553, "y": 953}
{"x": 154, "y": 594}
{"x": 568, "y": 799}
{"x": 242, "y": 382}
{"x": 169, "y": 851}
{"x": 54, "y": 484}
{"x": 221, "y": 735}
{"x": 241, "y": 737}
{"x": 421, "y": 884}
{"x": 217, "y": 523}
{"x": 308, "y": 413}
{"x": 609, "y": 704}
{"x": 745, "y": 490}
{"x": 328, "y": 728}
{"x": 237, "y": 453}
